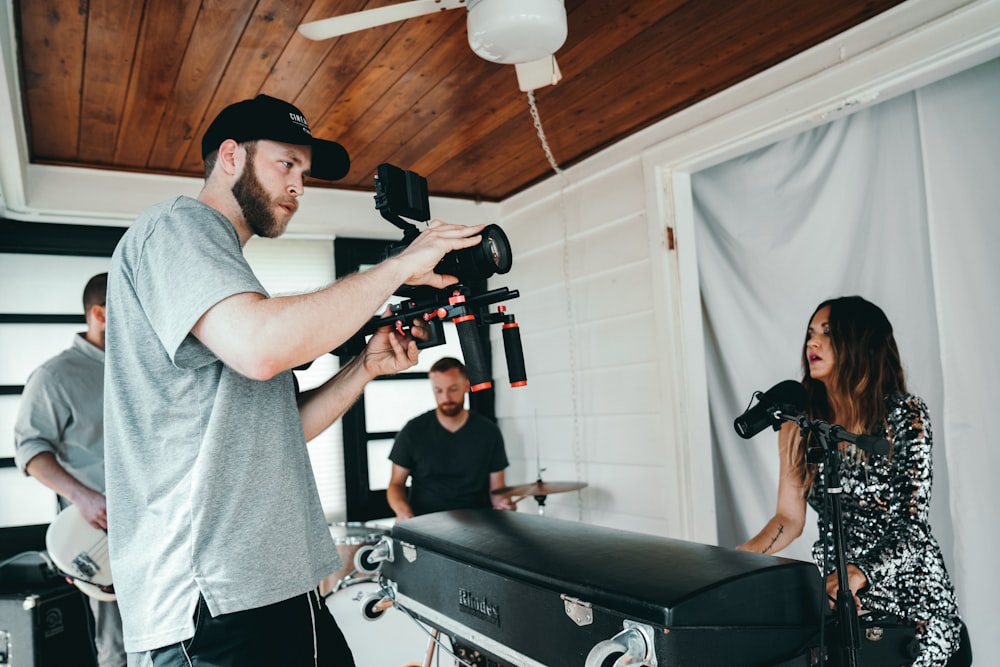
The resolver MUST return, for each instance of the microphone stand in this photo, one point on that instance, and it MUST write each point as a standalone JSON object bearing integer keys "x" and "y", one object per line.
{"x": 828, "y": 438}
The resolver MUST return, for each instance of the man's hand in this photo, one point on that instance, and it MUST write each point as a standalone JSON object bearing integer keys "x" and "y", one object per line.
{"x": 424, "y": 253}
{"x": 389, "y": 352}
{"x": 93, "y": 507}
{"x": 503, "y": 503}
{"x": 498, "y": 480}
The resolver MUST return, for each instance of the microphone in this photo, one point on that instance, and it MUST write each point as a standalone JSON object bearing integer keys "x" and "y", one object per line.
{"x": 788, "y": 397}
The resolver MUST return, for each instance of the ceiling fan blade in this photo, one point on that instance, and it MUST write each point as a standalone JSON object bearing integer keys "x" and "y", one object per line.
{"x": 538, "y": 73}
{"x": 369, "y": 18}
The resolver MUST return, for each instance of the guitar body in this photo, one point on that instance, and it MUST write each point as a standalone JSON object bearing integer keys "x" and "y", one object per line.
{"x": 80, "y": 551}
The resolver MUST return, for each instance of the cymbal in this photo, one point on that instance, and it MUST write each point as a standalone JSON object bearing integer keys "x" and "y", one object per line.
{"x": 538, "y": 488}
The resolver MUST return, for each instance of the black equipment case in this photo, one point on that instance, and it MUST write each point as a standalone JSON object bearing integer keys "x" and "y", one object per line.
{"x": 533, "y": 590}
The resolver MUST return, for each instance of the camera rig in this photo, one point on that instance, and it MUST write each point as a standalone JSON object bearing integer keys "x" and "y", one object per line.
{"x": 401, "y": 193}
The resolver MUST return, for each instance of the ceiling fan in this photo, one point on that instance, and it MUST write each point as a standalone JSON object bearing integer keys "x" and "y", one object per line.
{"x": 523, "y": 33}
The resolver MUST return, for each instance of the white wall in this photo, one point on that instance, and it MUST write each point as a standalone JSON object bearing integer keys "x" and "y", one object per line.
{"x": 596, "y": 407}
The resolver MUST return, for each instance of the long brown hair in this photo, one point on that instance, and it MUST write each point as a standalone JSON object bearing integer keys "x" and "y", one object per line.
{"x": 867, "y": 368}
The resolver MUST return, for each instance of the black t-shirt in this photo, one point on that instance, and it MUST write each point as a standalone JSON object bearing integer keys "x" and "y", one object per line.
{"x": 449, "y": 470}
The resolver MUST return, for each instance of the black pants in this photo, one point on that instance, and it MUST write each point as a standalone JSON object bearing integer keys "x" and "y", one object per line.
{"x": 297, "y": 632}
{"x": 963, "y": 656}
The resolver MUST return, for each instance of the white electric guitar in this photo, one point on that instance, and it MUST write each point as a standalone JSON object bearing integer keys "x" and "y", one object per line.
{"x": 80, "y": 551}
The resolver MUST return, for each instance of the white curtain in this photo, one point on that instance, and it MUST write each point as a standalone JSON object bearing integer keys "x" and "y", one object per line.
{"x": 897, "y": 203}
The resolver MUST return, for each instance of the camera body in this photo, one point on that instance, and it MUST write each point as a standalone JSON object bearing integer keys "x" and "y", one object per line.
{"x": 400, "y": 193}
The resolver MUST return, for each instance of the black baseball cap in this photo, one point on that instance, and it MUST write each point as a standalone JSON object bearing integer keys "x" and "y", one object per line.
{"x": 266, "y": 117}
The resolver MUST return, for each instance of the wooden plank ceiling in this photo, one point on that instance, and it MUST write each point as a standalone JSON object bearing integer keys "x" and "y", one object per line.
{"x": 132, "y": 85}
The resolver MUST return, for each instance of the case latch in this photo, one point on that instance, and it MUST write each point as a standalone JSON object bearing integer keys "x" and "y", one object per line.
{"x": 578, "y": 610}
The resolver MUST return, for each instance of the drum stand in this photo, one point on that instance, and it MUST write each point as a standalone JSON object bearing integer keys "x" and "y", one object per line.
{"x": 355, "y": 577}
{"x": 541, "y": 503}
{"x": 431, "y": 647}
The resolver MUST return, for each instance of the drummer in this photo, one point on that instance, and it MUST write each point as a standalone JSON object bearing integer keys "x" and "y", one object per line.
{"x": 453, "y": 457}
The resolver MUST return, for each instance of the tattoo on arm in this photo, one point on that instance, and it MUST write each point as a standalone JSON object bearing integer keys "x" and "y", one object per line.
{"x": 781, "y": 529}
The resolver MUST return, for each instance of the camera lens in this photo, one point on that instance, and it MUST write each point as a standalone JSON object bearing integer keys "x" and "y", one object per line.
{"x": 496, "y": 249}
{"x": 490, "y": 256}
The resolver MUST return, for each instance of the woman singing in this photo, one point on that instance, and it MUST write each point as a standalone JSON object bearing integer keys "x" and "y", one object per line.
{"x": 853, "y": 377}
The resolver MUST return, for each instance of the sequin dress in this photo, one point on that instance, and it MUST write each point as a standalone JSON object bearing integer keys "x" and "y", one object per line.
{"x": 885, "y": 504}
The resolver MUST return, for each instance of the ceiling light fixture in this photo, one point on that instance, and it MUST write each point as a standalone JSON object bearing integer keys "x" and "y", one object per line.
{"x": 516, "y": 31}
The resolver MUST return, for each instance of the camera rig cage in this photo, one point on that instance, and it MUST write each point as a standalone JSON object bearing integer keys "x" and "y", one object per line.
{"x": 401, "y": 193}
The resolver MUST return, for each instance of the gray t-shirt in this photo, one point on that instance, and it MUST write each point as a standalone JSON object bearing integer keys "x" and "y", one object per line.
{"x": 62, "y": 413}
{"x": 209, "y": 484}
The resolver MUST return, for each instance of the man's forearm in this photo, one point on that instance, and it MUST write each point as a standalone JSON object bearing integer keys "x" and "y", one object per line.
{"x": 92, "y": 504}
{"x": 396, "y": 496}
{"x": 260, "y": 336}
{"x": 46, "y": 469}
{"x": 322, "y": 406}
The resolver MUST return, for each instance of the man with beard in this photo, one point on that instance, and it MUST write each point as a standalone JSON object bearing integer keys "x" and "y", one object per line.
{"x": 217, "y": 536}
{"x": 453, "y": 457}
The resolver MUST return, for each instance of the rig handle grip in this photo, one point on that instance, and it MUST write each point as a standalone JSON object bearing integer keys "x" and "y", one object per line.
{"x": 472, "y": 350}
{"x": 515, "y": 354}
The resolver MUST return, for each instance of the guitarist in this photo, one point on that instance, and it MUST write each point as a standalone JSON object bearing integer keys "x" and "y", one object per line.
{"x": 59, "y": 440}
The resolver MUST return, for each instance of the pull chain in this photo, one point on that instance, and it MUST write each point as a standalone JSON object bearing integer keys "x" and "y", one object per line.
{"x": 533, "y": 108}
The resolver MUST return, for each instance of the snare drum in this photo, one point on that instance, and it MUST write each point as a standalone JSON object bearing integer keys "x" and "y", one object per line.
{"x": 349, "y": 536}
